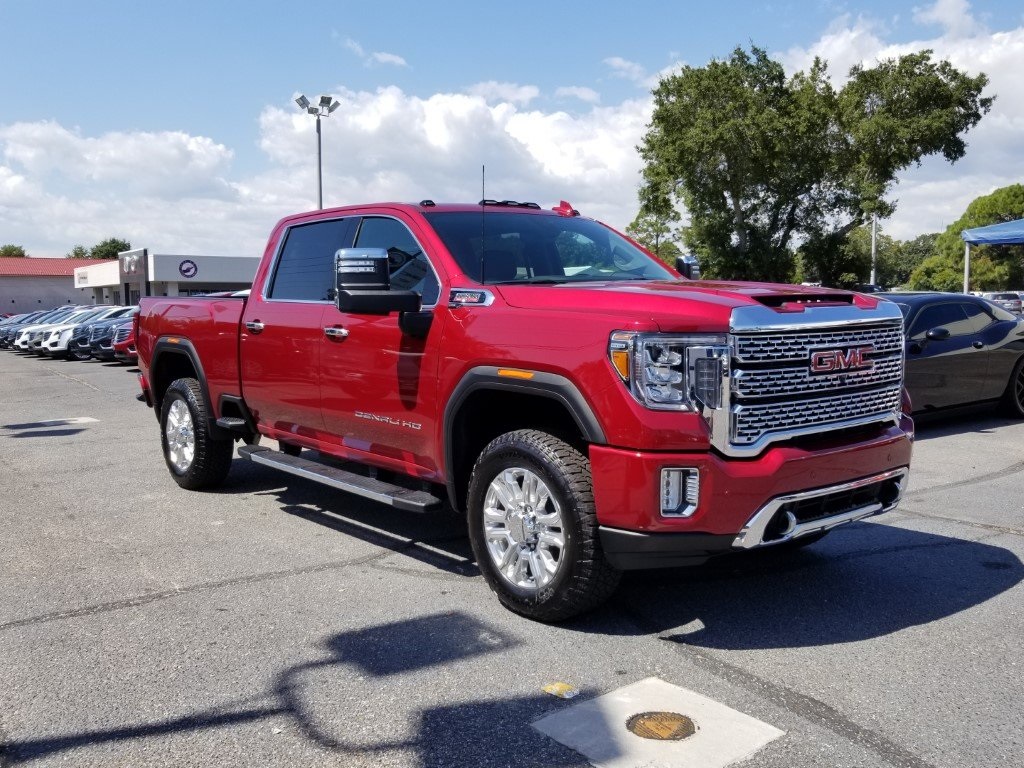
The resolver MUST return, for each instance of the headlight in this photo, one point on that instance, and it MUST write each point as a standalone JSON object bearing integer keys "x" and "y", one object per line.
{"x": 666, "y": 372}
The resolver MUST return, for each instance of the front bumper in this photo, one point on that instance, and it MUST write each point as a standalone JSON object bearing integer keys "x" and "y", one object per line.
{"x": 784, "y": 493}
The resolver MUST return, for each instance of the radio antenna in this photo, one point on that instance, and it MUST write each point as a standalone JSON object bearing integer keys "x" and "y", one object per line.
{"x": 483, "y": 234}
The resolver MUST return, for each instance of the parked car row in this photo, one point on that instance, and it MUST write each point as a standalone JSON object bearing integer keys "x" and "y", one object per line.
{"x": 73, "y": 332}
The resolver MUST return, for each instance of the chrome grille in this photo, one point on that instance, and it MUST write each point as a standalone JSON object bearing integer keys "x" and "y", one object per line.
{"x": 754, "y": 421}
{"x": 774, "y": 382}
{"x": 771, "y": 393}
{"x": 122, "y": 333}
{"x": 796, "y": 347}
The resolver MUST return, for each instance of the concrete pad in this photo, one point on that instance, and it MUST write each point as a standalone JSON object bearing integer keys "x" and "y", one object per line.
{"x": 597, "y": 729}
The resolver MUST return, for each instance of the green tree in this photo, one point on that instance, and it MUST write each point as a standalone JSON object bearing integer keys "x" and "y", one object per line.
{"x": 993, "y": 267}
{"x": 78, "y": 252}
{"x": 12, "y": 251}
{"x": 910, "y": 254}
{"x": 109, "y": 248}
{"x": 656, "y": 234}
{"x": 761, "y": 161}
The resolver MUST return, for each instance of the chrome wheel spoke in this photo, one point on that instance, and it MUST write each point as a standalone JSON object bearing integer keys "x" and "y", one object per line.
{"x": 505, "y": 489}
{"x": 180, "y": 434}
{"x": 541, "y": 571}
{"x": 548, "y": 539}
{"x": 523, "y": 528}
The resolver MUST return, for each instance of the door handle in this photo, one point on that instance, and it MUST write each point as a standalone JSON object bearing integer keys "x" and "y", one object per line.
{"x": 978, "y": 344}
{"x": 335, "y": 333}
{"x": 255, "y": 326}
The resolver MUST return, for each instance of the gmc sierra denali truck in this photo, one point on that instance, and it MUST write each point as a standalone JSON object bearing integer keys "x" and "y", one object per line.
{"x": 587, "y": 408}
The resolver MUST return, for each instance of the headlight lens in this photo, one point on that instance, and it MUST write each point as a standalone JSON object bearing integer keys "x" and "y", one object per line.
{"x": 667, "y": 372}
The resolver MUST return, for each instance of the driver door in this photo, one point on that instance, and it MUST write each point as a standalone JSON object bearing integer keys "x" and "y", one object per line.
{"x": 378, "y": 384}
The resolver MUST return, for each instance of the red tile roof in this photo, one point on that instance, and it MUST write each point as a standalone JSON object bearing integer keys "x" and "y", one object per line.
{"x": 29, "y": 267}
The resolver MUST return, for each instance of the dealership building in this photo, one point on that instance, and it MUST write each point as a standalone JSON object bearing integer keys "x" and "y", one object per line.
{"x": 28, "y": 284}
{"x": 140, "y": 273}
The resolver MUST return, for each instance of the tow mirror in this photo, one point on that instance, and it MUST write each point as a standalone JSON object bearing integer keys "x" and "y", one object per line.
{"x": 362, "y": 284}
{"x": 688, "y": 266}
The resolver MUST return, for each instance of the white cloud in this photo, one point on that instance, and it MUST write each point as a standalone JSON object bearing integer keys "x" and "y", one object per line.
{"x": 388, "y": 58}
{"x": 375, "y": 57}
{"x": 588, "y": 95}
{"x": 169, "y": 161}
{"x": 174, "y": 192}
{"x": 510, "y": 92}
{"x": 846, "y": 42}
{"x": 954, "y": 16}
{"x": 626, "y": 69}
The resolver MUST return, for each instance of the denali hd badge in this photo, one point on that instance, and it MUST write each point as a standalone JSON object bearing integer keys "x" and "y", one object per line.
{"x": 838, "y": 360}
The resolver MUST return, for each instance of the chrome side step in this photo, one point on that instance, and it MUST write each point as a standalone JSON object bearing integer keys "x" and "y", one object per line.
{"x": 350, "y": 482}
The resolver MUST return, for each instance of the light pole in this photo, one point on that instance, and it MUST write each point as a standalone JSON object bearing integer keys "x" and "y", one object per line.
{"x": 324, "y": 106}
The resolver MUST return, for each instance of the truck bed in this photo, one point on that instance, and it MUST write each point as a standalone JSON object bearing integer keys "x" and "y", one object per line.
{"x": 208, "y": 325}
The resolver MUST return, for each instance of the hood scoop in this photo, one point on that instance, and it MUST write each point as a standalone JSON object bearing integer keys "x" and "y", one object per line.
{"x": 798, "y": 302}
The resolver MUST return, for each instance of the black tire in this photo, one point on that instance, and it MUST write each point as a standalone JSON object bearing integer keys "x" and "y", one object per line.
{"x": 1013, "y": 398}
{"x": 582, "y": 578}
{"x": 196, "y": 460}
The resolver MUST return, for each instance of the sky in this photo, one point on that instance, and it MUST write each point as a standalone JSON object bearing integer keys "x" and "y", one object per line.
{"x": 173, "y": 125}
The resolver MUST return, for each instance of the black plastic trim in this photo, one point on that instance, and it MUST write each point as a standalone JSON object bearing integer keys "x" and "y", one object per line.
{"x": 633, "y": 550}
{"x": 184, "y": 347}
{"x": 239, "y": 402}
{"x": 549, "y": 385}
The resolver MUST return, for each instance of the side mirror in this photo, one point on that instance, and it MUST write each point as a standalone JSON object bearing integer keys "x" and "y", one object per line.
{"x": 688, "y": 266}
{"x": 937, "y": 334}
{"x": 362, "y": 284}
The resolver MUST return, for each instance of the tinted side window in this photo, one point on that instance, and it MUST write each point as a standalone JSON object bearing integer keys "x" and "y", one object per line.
{"x": 977, "y": 317}
{"x": 410, "y": 269}
{"x": 305, "y": 269}
{"x": 949, "y": 315}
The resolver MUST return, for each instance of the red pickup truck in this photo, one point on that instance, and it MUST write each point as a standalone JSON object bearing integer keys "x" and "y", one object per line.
{"x": 587, "y": 408}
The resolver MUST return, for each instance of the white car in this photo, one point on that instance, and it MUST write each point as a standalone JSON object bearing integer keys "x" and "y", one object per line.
{"x": 24, "y": 336}
{"x": 56, "y": 338}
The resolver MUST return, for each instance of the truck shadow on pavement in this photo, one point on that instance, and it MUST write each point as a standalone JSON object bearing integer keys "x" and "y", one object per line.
{"x": 862, "y": 581}
{"x": 376, "y": 666}
{"x": 434, "y": 538}
{"x": 961, "y": 421}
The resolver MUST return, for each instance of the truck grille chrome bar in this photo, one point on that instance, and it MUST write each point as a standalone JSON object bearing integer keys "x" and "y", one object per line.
{"x": 799, "y": 514}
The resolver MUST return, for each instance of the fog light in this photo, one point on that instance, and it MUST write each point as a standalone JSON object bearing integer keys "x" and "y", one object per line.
{"x": 680, "y": 491}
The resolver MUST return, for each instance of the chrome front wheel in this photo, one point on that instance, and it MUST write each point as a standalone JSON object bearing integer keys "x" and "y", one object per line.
{"x": 523, "y": 529}
{"x": 533, "y": 527}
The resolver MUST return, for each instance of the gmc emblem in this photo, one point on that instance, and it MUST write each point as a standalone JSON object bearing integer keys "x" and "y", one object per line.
{"x": 835, "y": 360}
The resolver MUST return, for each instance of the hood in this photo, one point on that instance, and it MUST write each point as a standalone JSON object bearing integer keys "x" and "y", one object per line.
{"x": 672, "y": 304}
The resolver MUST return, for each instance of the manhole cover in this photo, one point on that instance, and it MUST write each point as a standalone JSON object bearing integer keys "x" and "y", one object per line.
{"x": 662, "y": 726}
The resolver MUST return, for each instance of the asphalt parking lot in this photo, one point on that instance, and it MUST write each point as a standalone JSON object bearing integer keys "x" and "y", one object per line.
{"x": 279, "y": 623}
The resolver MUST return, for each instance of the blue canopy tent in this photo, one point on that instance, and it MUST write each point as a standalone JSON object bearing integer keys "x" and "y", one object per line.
{"x": 1006, "y": 233}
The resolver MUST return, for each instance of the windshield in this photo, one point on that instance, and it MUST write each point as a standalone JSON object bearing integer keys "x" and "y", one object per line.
{"x": 523, "y": 248}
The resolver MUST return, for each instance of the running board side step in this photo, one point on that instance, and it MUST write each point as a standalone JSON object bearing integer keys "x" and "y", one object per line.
{"x": 350, "y": 482}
